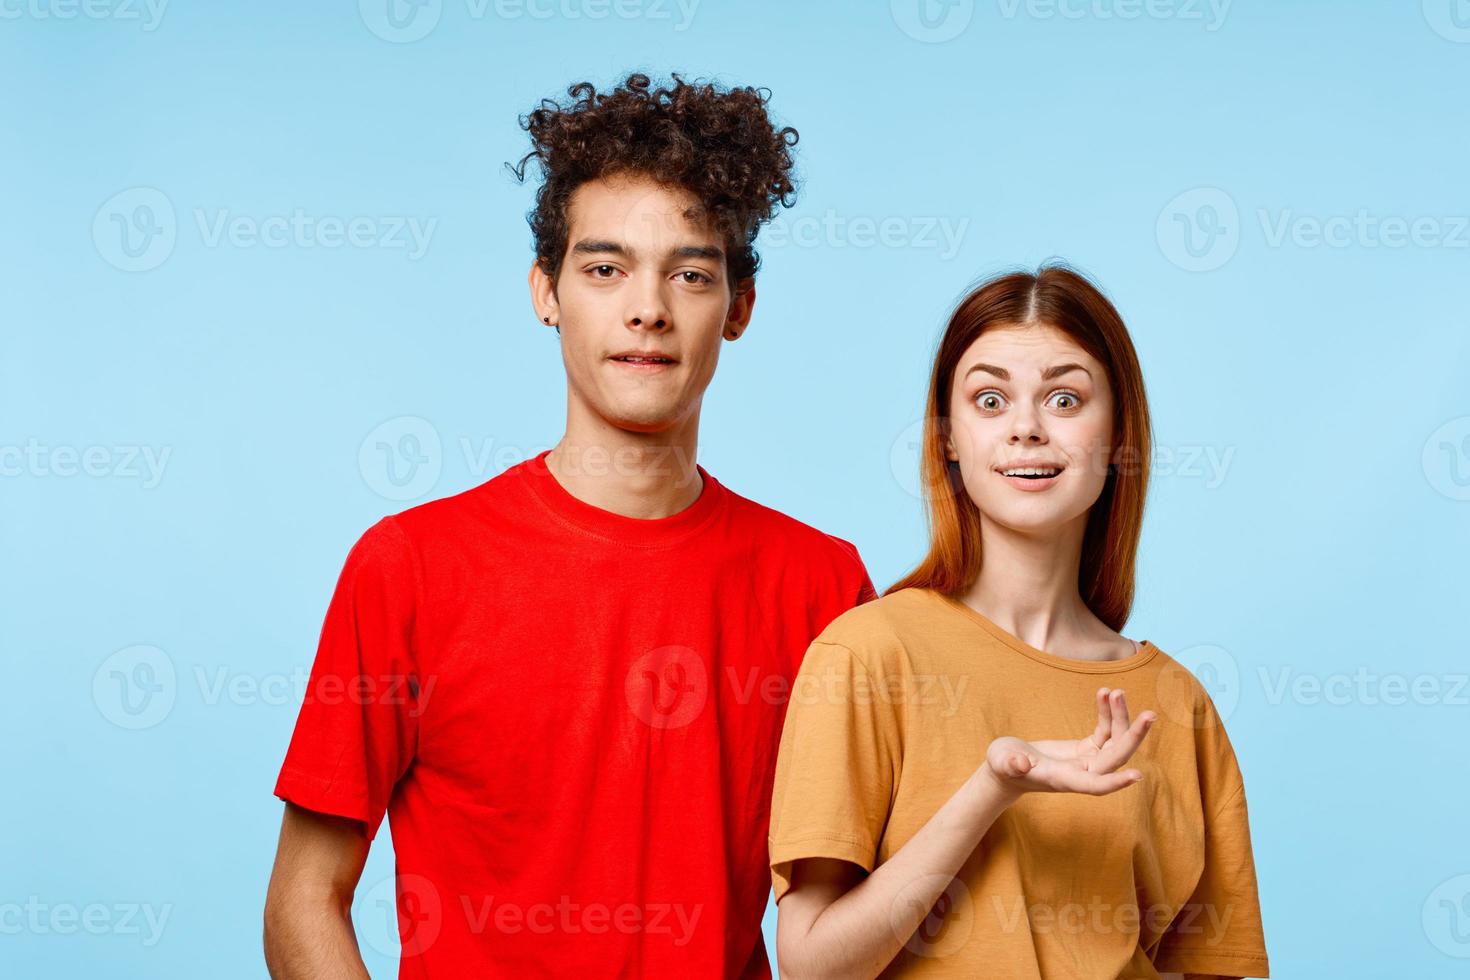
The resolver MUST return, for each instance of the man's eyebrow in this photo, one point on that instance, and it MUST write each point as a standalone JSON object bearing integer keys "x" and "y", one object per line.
{"x": 600, "y": 246}
{"x": 1047, "y": 375}
{"x": 597, "y": 246}
{"x": 711, "y": 252}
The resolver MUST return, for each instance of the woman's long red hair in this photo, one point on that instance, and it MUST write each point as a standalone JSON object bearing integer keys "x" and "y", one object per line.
{"x": 1058, "y": 297}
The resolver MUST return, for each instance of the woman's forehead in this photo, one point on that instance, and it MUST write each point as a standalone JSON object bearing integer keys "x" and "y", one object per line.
{"x": 1031, "y": 347}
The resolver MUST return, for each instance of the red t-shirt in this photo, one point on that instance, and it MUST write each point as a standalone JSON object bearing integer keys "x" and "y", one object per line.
{"x": 571, "y": 719}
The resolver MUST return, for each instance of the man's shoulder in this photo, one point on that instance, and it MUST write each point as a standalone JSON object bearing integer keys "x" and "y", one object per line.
{"x": 777, "y": 528}
{"x": 504, "y": 491}
{"x": 874, "y": 631}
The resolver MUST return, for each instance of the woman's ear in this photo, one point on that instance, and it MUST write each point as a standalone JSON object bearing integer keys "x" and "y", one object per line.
{"x": 945, "y": 427}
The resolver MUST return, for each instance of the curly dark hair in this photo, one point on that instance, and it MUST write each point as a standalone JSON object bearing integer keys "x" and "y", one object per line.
{"x": 720, "y": 145}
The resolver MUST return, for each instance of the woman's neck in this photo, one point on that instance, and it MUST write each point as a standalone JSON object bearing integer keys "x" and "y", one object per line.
{"x": 1028, "y": 587}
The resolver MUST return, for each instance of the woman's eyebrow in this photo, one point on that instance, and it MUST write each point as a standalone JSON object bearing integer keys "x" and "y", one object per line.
{"x": 999, "y": 372}
{"x": 1047, "y": 375}
{"x": 1061, "y": 369}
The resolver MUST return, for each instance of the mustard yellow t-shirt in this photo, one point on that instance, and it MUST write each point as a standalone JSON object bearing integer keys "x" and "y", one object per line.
{"x": 892, "y": 710}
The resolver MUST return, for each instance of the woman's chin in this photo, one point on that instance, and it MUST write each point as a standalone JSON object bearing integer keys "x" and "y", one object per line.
{"x": 1035, "y": 518}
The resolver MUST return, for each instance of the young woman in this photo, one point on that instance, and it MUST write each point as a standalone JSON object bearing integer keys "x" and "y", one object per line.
{"x": 935, "y": 812}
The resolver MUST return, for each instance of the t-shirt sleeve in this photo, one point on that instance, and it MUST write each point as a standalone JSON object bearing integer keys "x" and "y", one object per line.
{"x": 836, "y": 767}
{"x": 358, "y": 726}
{"x": 865, "y": 590}
{"x": 1218, "y": 932}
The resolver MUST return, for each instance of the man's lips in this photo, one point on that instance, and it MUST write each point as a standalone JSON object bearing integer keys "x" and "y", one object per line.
{"x": 643, "y": 360}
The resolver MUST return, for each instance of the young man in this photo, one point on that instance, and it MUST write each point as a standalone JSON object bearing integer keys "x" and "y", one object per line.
{"x": 565, "y": 687}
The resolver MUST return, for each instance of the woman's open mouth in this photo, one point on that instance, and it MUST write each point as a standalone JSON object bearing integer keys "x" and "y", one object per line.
{"x": 1031, "y": 477}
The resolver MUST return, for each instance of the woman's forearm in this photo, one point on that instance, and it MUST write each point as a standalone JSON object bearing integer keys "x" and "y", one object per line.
{"x": 859, "y": 933}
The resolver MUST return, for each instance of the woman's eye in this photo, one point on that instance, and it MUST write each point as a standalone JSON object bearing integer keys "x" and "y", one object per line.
{"x": 990, "y": 401}
{"x": 1064, "y": 400}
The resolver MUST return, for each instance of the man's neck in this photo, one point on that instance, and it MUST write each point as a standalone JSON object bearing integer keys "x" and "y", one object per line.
{"x": 645, "y": 475}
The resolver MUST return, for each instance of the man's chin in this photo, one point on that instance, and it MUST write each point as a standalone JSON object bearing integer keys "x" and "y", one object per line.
{"x": 643, "y": 417}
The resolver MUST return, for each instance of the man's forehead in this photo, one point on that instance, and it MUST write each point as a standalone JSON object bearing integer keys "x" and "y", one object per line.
{"x": 627, "y": 208}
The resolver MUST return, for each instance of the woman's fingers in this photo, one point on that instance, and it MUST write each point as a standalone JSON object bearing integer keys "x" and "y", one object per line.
{"x": 1119, "y": 714}
{"x": 1101, "y": 784}
{"x": 1104, "y": 717}
{"x": 1086, "y": 766}
{"x": 1075, "y": 780}
{"x": 1121, "y": 748}
{"x": 1010, "y": 757}
{"x": 1018, "y": 764}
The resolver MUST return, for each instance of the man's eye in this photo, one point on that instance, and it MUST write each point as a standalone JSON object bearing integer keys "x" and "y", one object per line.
{"x": 598, "y": 269}
{"x": 699, "y": 277}
{"x": 990, "y": 401}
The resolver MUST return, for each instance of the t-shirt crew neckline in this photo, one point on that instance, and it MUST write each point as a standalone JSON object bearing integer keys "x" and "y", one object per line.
{"x": 635, "y": 532}
{"x": 1146, "y": 650}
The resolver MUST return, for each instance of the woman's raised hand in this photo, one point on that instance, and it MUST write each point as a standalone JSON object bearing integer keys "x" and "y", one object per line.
{"x": 1084, "y": 765}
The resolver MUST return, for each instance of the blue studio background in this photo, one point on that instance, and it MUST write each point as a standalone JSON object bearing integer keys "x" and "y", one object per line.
{"x": 244, "y": 245}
